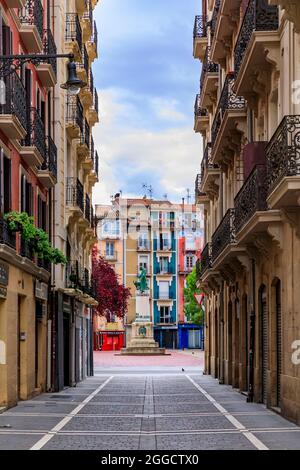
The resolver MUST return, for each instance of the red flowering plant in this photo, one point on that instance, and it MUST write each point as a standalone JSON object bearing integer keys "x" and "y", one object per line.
{"x": 111, "y": 295}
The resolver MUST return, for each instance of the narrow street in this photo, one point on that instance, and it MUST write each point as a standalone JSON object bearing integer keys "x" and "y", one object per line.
{"x": 152, "y": 406}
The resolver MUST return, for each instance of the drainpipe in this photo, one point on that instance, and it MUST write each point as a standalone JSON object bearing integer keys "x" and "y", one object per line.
{"x": 250, "y": 397}
{"x": 221, "y": 335}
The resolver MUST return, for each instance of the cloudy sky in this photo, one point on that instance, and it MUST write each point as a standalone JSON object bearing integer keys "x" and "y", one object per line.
{"x": 147, "y": 80}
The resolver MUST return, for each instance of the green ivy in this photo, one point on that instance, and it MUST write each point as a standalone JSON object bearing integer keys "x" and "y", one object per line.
{"x": 36, "y": 237}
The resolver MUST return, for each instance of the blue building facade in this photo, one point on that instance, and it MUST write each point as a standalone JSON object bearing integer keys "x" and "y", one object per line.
{"x": 164, "y": 278}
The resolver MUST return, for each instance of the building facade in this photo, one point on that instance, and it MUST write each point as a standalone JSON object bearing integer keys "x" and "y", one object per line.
{"x": 146, "y": 233}
{"x": 37, "y": 155}
{"x": 247, "y": 111}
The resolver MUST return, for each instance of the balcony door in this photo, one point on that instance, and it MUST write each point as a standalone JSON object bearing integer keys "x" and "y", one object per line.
{"x": 164, "y": 290}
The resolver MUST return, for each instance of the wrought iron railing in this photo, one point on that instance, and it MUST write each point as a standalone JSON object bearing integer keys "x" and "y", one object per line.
{"x": 84, "y": 64}
{"x": 75, "y": 195}
{"x": 198, "y": 186}
{"x": 91, "y": 82}
{"x": 92, "y": 149}
{"x": 6, "y": 236}
{"x": 32, "y": 13}
{"x": 75, "y": 112}
{"x": 259, "y": 16}
{"x": 198, "y": 110}
{"x": 251, "y": 198}
{"x": 26, "y": 250}
{"x": 206, "y": 161}
{"x": 96, "y": 164}
{"x": 224, "y": 235}
{"x": 50, "y": 163}
{"x": 35, "y": 132}
{"x": 88, "y": 14}
{"x": 204, "y": 263}
{"x": 73, "y": 29}
{"x": 228, "y": 100}
{"x": 200, "y": 27}
{"x": 95, "y": 100}
{"x": 50, "y": 48}
{"x": 94, "y": 37}
{"x": 214, "y": 17}
{"x": 87, "y": 209}
{"x": 14, "y": 101}
{"x": 86, "y": 135}
{"x": 44, "y": 264}
{"x": 283, "y": 151}
{"x": 73, "y": 275}
{"x": 207, "y": 67}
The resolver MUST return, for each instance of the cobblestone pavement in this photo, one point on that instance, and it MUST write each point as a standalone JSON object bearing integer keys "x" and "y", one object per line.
{"x": 174, "y": 411}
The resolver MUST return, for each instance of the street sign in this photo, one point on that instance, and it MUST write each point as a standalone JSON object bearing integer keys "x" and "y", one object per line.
{"x": 199, "y": 298}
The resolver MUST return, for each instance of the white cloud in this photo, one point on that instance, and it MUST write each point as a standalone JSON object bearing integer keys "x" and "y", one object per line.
{"x": 130, "y": 154}
{"x": 167, "y": 110}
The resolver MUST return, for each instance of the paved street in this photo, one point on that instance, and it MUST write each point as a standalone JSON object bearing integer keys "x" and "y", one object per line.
{"x": 163, "y": 410}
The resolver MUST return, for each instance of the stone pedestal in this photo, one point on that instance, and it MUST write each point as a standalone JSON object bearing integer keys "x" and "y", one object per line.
{"x": 142, "y": 339}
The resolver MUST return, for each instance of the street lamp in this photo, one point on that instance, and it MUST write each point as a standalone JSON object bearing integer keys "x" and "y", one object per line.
{"x": 11, "y": 63}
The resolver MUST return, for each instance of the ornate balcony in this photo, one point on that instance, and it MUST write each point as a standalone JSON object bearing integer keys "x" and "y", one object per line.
{"x": 258, "y": 37}
{"x": 224, "y": 236}
{"x": 291, "y": 11}
{"x": 92, "y": 44}
{"x": 204, "y": 263}
{"x": 225, "y": 19}
{"x": 87, "y": 208}
{"x": 87, "y": 92}
{"x": 210, "y": 173}
{"x": 201, "y": 117}
{"x": 7, "y": 237}
{"x": 200, "y": 37}
{"x": 251, "y": 198}
{"x": 47, "y": 174}
{"x": 33, "y": 148}
{"x": 226, "y": 129}
{"x": 73, "y": 36}
{"x": 73, "y": 275}
{"x": 94, "y": 109}
{"x": 87, "y": 22}
{"x": 208, "y": 81}
{"x": 200, "y": 197}
{"x": 83, "y": 147}
{"x": 47, "y": 72}
{"x": 74, "y": 118}
{"x": 31, "y": 29}
{"x": 82, "y": 67}
{"x": 26, "y": 250}
{"x": 88, "y": 163}
{"x": 75, "y": 198}
{"x": 283, "y": 163}
{"x": 13, "y": 110}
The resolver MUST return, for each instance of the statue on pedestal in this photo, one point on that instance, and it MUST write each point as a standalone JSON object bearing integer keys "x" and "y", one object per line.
{"x": 142, "y": 283}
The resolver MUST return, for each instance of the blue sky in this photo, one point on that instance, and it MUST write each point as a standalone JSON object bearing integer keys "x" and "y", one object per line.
{"x": 147, "y": 80}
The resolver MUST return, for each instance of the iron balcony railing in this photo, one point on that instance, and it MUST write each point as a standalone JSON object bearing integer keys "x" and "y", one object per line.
{"x": 42, "y": 263}
{"x": 259, "y": 16}
{"x": 91, "y": 82}
{"x": 224, "y": 235}
{"x": 94, "y": 37}
{"x": 283, "y": 151}
{"x": 87, "y": 209}
{"x": 84, "y": 64}
{"x": 95, "y": 100}
{"x": 198, "y": 186}
{"x": 50, "y": 48}
{"x": 75, "y": 195}
{"x": 206, "y": 161}
{"x": 88, "y": 14}
{"x": 32, "y": 13}
{"x": 26, "y": 250}
{"x": 75, "y": 112}
{"x": 143, "y": 245}
{"x": 50, "y": 163}
{"x": 6, "y": 236}
{"x": 86, "y": 135}
{"x": 73, "y": 29}
{"x": 35, "y": 132}
{"x": 96, "y": 164}
{"x": 13, "y": 100}
{"x": 92, "y": 149}
{"x": 207, "y": 67}
{"x": 228, "y": 100}
{"x": 251, "y": 198}
{"x": 198, "y": 110}
{"x": 73, "y": 275}
{"x": 204, "y": 263}
{"x": 200, "y": 26}
{"x": 215, "y": 15}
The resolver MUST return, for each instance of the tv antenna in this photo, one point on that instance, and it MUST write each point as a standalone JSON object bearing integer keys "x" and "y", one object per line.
{"x": 188, "y": 192}
{"x": 165, "y": 196}
{"x": 148, "y": 189}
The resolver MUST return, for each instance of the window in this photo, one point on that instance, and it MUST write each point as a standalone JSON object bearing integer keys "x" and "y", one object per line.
{"x": 164, "y": 315}
{"x": 42, "y": 213}
{"x": 110, "y": 249}
{"x": 143, "y": 262}
{"x": 164, "y": 264}
{"x": 5, "y": 183}
{"x": 190, "y": 261}
{"x": 111, "y": 227}
{"x": 26, "y": 196}
{"x": 164, "y": 290}
{"x": 143, "y": 241}
{"x": 165, "y": 241}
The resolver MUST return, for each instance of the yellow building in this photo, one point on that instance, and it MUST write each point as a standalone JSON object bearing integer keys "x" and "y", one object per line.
{"x": 248, "y": 113}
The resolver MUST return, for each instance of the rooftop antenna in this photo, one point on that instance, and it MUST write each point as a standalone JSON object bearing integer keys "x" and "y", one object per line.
{"x": 188, "y": 192}
{"x": 148, "y": 189}
{"x": 165, "y": 196}
{"x": 182, "y": 217}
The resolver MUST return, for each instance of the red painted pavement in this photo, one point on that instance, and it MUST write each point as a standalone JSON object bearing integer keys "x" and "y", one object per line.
{"x": 176, "y": 358}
